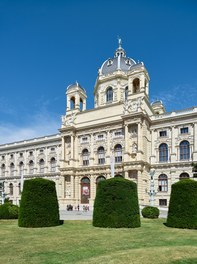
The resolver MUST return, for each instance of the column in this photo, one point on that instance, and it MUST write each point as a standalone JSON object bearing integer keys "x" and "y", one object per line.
{"x": 173, "y": 153}
{"x": 92, "y": 150}
{"x": 72, "y": 187}
{"x": 195, "y": 142}
{"x": 140, "y": 186}
{"x": 126, "y": 175}
{"x": 126, "y": 143}
{"x": 68, "y": 104}
{"x": 108, "y": 148}
{"x": 126, "y": 138}
{"x": 92, "y": 192}
{"x": 77, "y": 194}
{"x": 140, "y": 138}
{"x": 77, "y": 101}
{"x": 76, "y": 150}
{"x": 153, "y": 153}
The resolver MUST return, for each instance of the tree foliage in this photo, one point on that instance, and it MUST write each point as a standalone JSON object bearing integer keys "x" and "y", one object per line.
{"x": 39, "y": 204}
{"x": 116, "y": 204}
{"x": 150, "y": 212}
{"x": 183, "y": 205}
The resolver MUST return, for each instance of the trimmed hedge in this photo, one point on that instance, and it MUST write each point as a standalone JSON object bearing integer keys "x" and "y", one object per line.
{"x": 182, "y": 211}
{"x": 39, "y": 204}
{"x": 116, "y": 204}
{"x": 150, "y": 212}
{"x": 9, "y": 211}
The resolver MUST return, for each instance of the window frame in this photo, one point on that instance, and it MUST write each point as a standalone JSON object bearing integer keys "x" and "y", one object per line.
{"x": 184, "y": 149}
{"x": 163, "y": 152}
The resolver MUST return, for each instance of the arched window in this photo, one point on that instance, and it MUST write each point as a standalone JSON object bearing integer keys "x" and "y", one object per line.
{"x": 118, "y": 175}
{"x": 85, "y": 190}
{"x": 136, "y": 85}
{"x": 163, "y": 183}
{"x": 101, "y": 155}
{"x": 184, "y": 150}
{"x": 183, "y": 176}
{"x": 126, "y": 93}
{"x": 72, "y": 103}
{"x": 3, "y": 170}
{"x": 12, "y": 167}
{"x": 85, "y": 157}
{"x": 11, "y": 188}
{"x": 21, "y": 168}
{"x": 41, "y": 164}
{"x": 31, "y": 167}
{"x": 109, "y": 95}
{"x": 100, "y": 178}
{"x": 163, "y": 152}
{"x": 53, "y": 164}
{"x": 118, "y": 153}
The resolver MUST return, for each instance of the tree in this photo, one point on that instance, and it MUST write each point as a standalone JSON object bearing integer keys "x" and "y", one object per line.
{"x": 39, "y": 204}
{"x": 182, "y": 211}
{"x": 116, "y": 204}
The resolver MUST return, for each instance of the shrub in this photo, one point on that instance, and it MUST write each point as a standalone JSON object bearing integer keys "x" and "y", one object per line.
{"x": 39, "y": 205}
{"x": 150, "y": 212}
{"x": 182, "y": 211}
{"x": 8, "y": 211}
{"x": 116, "y": 204}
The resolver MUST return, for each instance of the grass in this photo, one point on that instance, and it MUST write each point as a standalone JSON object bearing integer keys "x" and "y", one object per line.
{"x": 80, "y": 242}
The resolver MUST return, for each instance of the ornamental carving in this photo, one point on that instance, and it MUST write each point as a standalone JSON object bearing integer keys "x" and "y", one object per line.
{"x": 132, "y": 105}
{"x": 70, "y": 120}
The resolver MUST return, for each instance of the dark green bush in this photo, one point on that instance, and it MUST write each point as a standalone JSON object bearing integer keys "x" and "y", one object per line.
{"x": 182, "y": 211}
{"x": 8, "y": 211}
{"x": 116, "y": 204}
{"x": 39, "y": 204}
{"x": 150, "y": 212}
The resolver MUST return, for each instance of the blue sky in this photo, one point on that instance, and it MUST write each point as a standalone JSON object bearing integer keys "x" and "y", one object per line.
{"x": 47, "y": 45}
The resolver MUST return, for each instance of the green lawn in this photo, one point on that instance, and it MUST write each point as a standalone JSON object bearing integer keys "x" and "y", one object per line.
{"x": 80, "y": 242}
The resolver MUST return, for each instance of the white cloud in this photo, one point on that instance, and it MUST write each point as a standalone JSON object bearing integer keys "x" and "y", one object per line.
{"x": 178, "y": 97}
{"x": 39, "y": 125}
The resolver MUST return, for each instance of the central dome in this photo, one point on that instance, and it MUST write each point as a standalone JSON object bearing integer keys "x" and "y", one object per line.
{"x": 119, "y": 62}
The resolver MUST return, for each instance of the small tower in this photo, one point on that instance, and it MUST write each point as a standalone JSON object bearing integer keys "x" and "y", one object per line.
{"x": 76, "y": 98}
{"x": 158, "y": 107}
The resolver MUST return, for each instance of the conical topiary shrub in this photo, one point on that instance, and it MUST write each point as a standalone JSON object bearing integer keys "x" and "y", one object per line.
{"x": 39, "y": 204}
{"x": 183, "y": 205}
{"x": 116, "y": 204}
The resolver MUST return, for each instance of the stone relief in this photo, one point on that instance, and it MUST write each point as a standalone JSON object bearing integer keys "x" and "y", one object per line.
{"x": 69, "y": 121}
{"x": 134, "y": 148}
{"x": 132, "y": 106}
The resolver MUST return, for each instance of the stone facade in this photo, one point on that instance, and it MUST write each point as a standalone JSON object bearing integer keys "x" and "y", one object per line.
{"x": 124, "y": 133}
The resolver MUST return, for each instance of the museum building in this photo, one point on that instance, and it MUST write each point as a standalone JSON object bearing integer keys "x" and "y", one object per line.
{"x": 124, "y": 135}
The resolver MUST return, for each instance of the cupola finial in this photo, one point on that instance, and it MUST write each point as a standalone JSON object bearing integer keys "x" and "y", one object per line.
{"x": 119, "y": 42}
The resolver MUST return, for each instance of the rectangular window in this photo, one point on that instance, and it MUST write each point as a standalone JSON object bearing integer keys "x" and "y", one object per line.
{"x": 118, "y": 133}
{"x": 85, "y": 162}
{"x": 84, "y": 139}
{"x": 162, "y": 202}
{"x": 163, "y": 133}
{"x": 100, "y": 137}
{"x": 184, "y": 130}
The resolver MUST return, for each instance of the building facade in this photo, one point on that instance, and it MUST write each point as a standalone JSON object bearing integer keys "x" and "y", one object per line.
{"x": 123, "y": 135}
